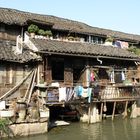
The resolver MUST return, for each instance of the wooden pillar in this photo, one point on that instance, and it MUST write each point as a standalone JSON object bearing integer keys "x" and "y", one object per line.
{"x": 113, "y": 113}
{"x": 38, "y": 75}
{"x": 125, "y": 111}
{"x": 48, "y": 71}
{"x": 89, "y": 113}
{"x": 101, "y": 111}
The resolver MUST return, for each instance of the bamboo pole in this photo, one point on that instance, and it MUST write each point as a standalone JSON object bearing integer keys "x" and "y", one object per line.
{"x": 29, "y": 86}
{"x": 113, "y": 113}
{"x": 101, "y": 111}
{"x": 15, "y": 87}
{"x": 32, "y": 86}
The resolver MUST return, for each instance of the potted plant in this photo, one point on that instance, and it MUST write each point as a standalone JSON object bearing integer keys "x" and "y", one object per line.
{"x": 109, "y": 40}
{"x": 41, "y": 32}
{"x": 48, "y": 33}
{"x": 32, "y": 29}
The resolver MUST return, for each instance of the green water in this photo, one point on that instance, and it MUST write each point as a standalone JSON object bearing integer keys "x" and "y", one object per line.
{"x": 119, "y": 129}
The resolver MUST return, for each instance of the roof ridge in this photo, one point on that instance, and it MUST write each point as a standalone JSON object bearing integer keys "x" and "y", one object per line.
{"x": 64, "y": 24}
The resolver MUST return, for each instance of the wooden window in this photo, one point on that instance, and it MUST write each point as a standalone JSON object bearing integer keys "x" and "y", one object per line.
{"x": 95, "y": 39}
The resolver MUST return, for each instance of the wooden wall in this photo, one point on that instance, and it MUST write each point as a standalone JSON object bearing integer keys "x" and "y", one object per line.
{"x": 9, "y": 32}
{"x": 10, "y": 75}
{"x": 47, "y": 71}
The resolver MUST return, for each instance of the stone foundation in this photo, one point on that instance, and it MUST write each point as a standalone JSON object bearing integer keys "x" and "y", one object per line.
{"x": 26, "y": 129}
{"x": 93, "y": 117}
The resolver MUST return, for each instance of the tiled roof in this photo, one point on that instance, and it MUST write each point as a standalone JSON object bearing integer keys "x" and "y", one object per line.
{"x": 11, "y": 16}
{"x": 82, "y": 49}
{"x": 7, "y": 53}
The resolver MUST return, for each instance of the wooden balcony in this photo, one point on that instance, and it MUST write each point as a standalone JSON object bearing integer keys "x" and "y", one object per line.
{"x": 120, "y": 92}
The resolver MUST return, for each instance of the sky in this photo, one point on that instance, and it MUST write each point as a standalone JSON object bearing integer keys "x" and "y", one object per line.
{"x": 118, "y": 15}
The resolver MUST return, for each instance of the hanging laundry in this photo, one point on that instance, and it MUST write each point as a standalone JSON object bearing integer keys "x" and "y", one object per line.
{"x": 124, "y": 45}
{"x": 62, "y": 94}
{"x": 117, "y": 44}
{"x": 121, "y": 44}
{"x": 123, "y": 76}
{"x": 92, "y": 76}
{"x": 69, "y": 93}
{"x": 78, "y": 90}
{"x": 112, "y": 77}
{"x": 85, "y": 92}
{"x": 105, "y": 107}
{"x": 89, "y": 94}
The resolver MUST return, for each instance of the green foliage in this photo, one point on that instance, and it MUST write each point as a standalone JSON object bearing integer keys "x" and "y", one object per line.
{"x": 41, "y": 32}
{"x": 33, "y": 28}
{"x": 48, "y": 33}
{"x": 134, "y": 50}
{"x": 109, "y": 39}
{"x": 4, "y": 126}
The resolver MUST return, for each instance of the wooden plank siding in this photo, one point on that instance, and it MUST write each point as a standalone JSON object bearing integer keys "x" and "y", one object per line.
{"x": 10, "y": 75}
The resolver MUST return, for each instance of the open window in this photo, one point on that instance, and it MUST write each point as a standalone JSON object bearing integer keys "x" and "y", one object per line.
{"x": 58, "y": 69}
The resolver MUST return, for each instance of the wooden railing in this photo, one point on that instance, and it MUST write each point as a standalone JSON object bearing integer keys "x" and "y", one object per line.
{"x": 104, "y": 92}
{"x": 120, "y": 92}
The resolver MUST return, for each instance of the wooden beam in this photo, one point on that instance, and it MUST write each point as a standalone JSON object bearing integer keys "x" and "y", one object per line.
{"x": 120, "y": 100}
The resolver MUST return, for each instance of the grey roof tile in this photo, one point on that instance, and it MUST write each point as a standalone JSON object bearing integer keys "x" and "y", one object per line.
{"x": 7, "y": 53}
{"x": 12, "y": 16}
{"x": 84, "y": 49}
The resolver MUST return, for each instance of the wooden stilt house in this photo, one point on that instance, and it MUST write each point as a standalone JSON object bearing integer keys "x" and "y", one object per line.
{"x": 66, "y": 55}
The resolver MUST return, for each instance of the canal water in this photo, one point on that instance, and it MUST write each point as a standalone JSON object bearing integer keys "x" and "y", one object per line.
{"x": 119, "y": 129}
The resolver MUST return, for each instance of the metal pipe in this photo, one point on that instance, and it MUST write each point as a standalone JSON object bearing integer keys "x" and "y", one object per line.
{"x": 99, "y": 60}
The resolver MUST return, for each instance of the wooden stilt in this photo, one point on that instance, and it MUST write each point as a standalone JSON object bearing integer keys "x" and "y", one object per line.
{"x": 113, "y": 113}
{"x": 101, "y": 112}
{"x": 89, "y": 113}
{"x": 125, "y": 111}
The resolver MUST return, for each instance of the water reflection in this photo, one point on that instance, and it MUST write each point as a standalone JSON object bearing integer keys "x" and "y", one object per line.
{"x": 119, "y": 129}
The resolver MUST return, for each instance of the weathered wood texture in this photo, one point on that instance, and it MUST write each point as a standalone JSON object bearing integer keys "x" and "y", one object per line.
{"x": 68, "y": 76}
{"x": 10, "y": 76}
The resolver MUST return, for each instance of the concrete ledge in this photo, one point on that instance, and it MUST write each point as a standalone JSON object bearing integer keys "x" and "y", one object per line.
{"x": 26, "y": 129}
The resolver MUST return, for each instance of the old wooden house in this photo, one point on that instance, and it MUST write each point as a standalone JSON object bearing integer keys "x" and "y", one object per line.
{"x": 76, "y": 66}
